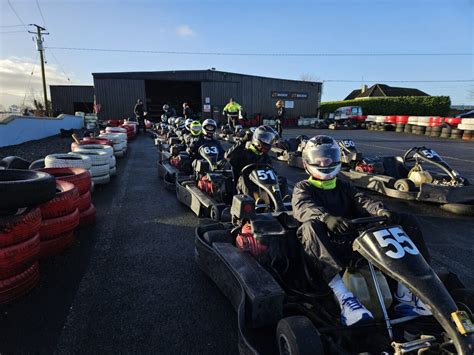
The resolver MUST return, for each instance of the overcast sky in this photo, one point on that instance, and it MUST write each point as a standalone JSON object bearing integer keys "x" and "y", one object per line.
{"x": 334, "y": 26}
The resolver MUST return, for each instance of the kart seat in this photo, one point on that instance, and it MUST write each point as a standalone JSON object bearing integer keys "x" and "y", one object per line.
{"x": 393, "y": 166}
{"x": 265, "y": 225}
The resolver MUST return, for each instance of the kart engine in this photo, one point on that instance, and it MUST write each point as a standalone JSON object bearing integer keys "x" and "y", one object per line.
{"x": 246, "y": 241}
{"x": 368, "y": 165}
{"x": 206, "y": 185}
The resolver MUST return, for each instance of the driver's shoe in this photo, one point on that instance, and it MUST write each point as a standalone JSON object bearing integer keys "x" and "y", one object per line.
{"x": 410, "y": 305}
{"x": 353, "y": 312}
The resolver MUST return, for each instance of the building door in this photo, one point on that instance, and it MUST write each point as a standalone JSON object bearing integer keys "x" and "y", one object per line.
{"x": 215, "y": 95}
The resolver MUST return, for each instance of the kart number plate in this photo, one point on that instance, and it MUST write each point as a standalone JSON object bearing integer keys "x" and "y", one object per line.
{"x": 463, "y": 323}
{"x": 266, "y": 175}
{"x": 348, "y": 143}
{"x": 210, "y": 150}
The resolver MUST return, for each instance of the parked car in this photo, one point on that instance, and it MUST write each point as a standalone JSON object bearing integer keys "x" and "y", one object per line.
{"x": 469, "y": 114}
{"x": 346, "y": 112}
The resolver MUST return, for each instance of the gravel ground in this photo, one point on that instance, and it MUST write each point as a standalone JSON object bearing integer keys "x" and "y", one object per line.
{"x": 38, "y": 149}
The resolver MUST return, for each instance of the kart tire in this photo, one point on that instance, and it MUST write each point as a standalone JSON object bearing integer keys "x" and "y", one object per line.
{"x": 52, "y": 228}
{"x": 25, "y": 188}
{"x": 464, "y": 298}
{"x": 102, "y": 179}
{"x": 81, "y": 178}
{"x": 17, "y": 258}
{"x": 64, "y": 203}
{"x": 88, "y": 216}
{"x": 37, "y": 164}
{"x": 217, "y": 236}
{"x": 20, "y": 284}
{"x": 56, "y": 246}
{"x": 215, "y": 211}
{"x": 19, "y": 227}
{"x": 225, "y": 215}
{"x": 297, "y": 335}
{"x": 14, "y": 162}
{"x": 404, "y": 185}
{"x": 459, "y": 208}
{"x": 84, "y": 201}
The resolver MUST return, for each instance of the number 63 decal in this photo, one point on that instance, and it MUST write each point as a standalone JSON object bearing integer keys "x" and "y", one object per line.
{"x": 396, "y": 238}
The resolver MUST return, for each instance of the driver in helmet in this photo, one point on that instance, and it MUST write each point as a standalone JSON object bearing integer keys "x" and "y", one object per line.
{"x": 206, "y": 138}
{"x": 194, "y": 138}
{"x": 324, "y": 204}
{"x": 254, "y": 151}
{"x": 168, "y": 111}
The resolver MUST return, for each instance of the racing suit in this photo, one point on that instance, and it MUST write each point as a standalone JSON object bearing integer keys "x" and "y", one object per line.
{"x": 232, "y": 111}
{"x": 188, "y": 112}
{"x": 170, "y": 112}
{"x": 139, "y": 113}
{"x": 197, "y": 142}
{"x": 328, "y": 253}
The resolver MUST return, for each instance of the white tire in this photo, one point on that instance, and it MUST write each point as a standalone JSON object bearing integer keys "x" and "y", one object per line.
{"x": 423, "y": 119}
{"x": 119, "y": 154}
{"x": 68, "y": 161}
{"x": 466, "y": 126}
{"x": 115, "y": 130}
{"x": 119, "y": 146}
{"x": 101, "y": 147}
{"x": 112, "y": 162}
{"x": 113, "y": 171}
{"x": 469, "y": 121}
{"x": 380, "y": 119}
{"x": 412, "y": 119}
{"x": 102, "y": 179}
{"x": 114, "y": 137}
{"x": 97, "y": 157}
{"x": 99, "y": 170}
{"x": 424, "y": 124}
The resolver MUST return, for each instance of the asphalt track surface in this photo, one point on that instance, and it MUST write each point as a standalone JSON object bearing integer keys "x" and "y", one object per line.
{"x": 130, "y": 283}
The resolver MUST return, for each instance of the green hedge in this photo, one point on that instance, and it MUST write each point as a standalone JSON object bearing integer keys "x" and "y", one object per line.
{"x": 403, "y": 105}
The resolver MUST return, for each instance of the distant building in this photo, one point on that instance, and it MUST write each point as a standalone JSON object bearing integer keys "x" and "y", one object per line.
{"x": 382, "y": 90}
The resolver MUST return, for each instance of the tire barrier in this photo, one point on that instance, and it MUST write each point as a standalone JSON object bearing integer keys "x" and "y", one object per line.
{"x": 68, "y": 161}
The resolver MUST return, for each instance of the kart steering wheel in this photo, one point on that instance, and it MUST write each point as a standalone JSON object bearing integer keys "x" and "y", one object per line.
{"x": 409, "y": 156}
{"x": 301, "y": 138}
{"x": 245, "y": 169}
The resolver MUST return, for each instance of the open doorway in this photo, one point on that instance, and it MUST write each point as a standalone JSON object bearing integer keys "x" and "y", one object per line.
{"x": 173, "y": 93}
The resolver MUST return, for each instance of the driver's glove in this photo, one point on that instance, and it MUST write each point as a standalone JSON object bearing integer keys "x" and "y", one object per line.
{"x": 336, "y": 224}
{"x": 392, "y": 216}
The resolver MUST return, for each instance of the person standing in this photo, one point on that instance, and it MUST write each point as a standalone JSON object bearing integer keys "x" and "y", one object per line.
{"x": 232, "y": 110}
{"x": 280, "y": 116}
{"x": 187, "y": 111}
{"x": 140, "y": 115}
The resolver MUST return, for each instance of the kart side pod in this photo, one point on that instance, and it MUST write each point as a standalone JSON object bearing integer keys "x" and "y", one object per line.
{"x": 395, "y": 254}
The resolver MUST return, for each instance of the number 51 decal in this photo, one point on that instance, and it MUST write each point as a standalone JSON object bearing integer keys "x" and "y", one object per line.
{"x": 265, "y": 174}
{"x": 396, "y": 238}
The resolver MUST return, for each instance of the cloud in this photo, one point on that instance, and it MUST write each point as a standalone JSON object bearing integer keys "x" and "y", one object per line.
{"x": 16, "y": 79}
{"x": 185, "y": 31}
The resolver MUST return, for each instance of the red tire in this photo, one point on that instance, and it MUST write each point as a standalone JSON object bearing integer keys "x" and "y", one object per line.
{"x": 453, "y": 121}
{"x": 22, "y": 226}
{"x": 54, "y": 227}
{"x": 17, "y": 258}
{"x": 390, "y": 119}
{"x": 64, "y": 203}
{"x": 402, "y": 119}
{"x": 19, "y": 284}
{"x": 88, "y": 216}
{"x": 84, "y": 201}
{"x": 81, "y": 178}
{"x": 56, "y": 246}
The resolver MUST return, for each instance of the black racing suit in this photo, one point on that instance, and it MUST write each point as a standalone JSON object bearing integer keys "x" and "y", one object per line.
{"x": 239, "y": 156}
{"x": 197, "y": 142}
{"x": 139, "y": 113}
{"x": 171, "y": 112}
{"x": 188, "y": 112}
{"x": 328, "y": 253}
{"x": 279, "y": 118}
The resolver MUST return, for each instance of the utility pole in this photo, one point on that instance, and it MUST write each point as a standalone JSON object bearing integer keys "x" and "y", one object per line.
{"x": 40, "y": 47}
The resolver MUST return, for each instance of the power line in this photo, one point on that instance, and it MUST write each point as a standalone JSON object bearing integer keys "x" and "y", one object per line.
{"x": 16, "y": 14}
{"x": 41, "y": 13}
{"x": 12, "y": 32}
{"x": 2, "y": 26}
{"x": 262, "y": 54}
{"x": 59, "y": 64}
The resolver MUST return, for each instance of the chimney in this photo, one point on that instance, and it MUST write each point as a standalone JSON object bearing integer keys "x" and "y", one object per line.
{"x": 364, "y": 89}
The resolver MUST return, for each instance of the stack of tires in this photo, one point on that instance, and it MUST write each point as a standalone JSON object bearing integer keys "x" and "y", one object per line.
{"x": 421, "y": 124}
{"x": 92, "y": 149}
{"x": 467, "y": 128}
{"x": 412, "y": 122}
{"x": 400, "y": 122}
{"x": 21, "y": 192}
{"x": 119, "y": 141}
{"x": 435, "y": 126}
{"x": 389, "y": 123}
{"x": 82, "y": 180}
{"x": 131, "y": 130}
{"x": 100, "y": 160}
{"x": 114, "y": 123}
{"x": 370, "y": 122}
{"x": 60, "y": 217}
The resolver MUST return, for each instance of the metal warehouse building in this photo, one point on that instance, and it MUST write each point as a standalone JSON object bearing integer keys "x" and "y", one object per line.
{"x": 206, "y": 91}
{"x": 72, "y": 98}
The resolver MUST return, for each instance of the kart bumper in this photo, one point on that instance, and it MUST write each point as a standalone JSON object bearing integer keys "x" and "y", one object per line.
{"x": 168, "y": 173}
{"x": 190, "y": 195}
{"x": 446, "y": 194}
{"x": 295, "y": 160}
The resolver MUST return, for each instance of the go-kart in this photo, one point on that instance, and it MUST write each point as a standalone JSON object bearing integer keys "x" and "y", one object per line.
{"x": 289, "y": 149}
{"x": 173, "y": 163}
{"x": 209, "y": 190}
{"x": 283, "y": 306}
{"x": 407, "y": 177}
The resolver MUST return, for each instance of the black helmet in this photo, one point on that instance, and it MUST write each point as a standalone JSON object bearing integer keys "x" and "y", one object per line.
{"x": 322, "y": 157}
{"x": 263, "y": 138}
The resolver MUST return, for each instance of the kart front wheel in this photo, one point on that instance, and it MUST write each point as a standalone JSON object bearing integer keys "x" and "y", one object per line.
{"x": 298, "y": 336}
{"x": 405, "y": 185}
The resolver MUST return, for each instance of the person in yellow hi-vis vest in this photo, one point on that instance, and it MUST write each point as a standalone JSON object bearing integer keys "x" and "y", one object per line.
{"x": 232, "y": 110}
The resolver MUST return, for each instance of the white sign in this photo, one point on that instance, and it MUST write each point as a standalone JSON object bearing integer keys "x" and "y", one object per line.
{"x": 207, "y": 100}
{"x": 206, "y": 108}
{"x": 289, "y": 104}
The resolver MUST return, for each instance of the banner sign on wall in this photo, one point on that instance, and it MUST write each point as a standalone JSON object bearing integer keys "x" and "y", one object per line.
{"x": 206, "y": 108}
{"x": 289, "y": 95}
{"x": 289, "y": 104}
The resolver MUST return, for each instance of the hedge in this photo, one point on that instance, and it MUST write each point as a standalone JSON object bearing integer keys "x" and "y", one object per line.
{"x": 403, "y": 105}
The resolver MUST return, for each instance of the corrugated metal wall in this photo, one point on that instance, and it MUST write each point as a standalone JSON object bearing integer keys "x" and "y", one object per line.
{"x": 64, "y": 96}
{"x": 117, "y": 92}
{"x": 118, "y": 97}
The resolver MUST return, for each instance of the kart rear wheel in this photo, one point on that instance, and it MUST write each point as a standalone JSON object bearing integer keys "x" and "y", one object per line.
{"x": 217, "y": 236}
{"x": 215, "y": 212}
{"x": 405, "y": 185}
{"x": 298, "y": 336}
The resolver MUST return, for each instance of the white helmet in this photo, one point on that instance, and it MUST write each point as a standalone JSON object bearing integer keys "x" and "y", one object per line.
{"x": 209, "y": 127}
{"x": 187, "y": 123}
{"x": 166, "y": 107}
{"x": 322, "y": 157}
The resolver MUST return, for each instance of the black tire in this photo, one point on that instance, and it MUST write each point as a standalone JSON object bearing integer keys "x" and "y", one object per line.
{"x": 225, "y": 215}
{"x": 436, "y": 129}
{"x": 405, "y": 185}
{"x": 459, "y": 208}
{"x": 464, "y": 298}
{"x": 400, "y": 128}
{"x": 428, "y": 131}
{"x": 407, "y": 128}
{"x": 298, "y": 336}
{"x": 25, "y": 188}
{"x": 217, "y": 236}
{"x": 37, "y": 164}
{"x": 215, "y": 211}
{"x": 435, "y": 134}
{"x": 14, "y": 162}
{"x": 446, "y": 129}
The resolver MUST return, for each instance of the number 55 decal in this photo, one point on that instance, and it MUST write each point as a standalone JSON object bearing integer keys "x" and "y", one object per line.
{"x": 396, "y": 238}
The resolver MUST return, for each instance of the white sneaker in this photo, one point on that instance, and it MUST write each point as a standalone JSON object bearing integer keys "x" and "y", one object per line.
{"x": 410, "y": 305}
{"x": 353, "y": 312}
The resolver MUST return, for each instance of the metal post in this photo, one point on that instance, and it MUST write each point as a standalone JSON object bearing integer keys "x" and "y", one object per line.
{"x": 381, "y": 300}
{"x": 39, "y": 45}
